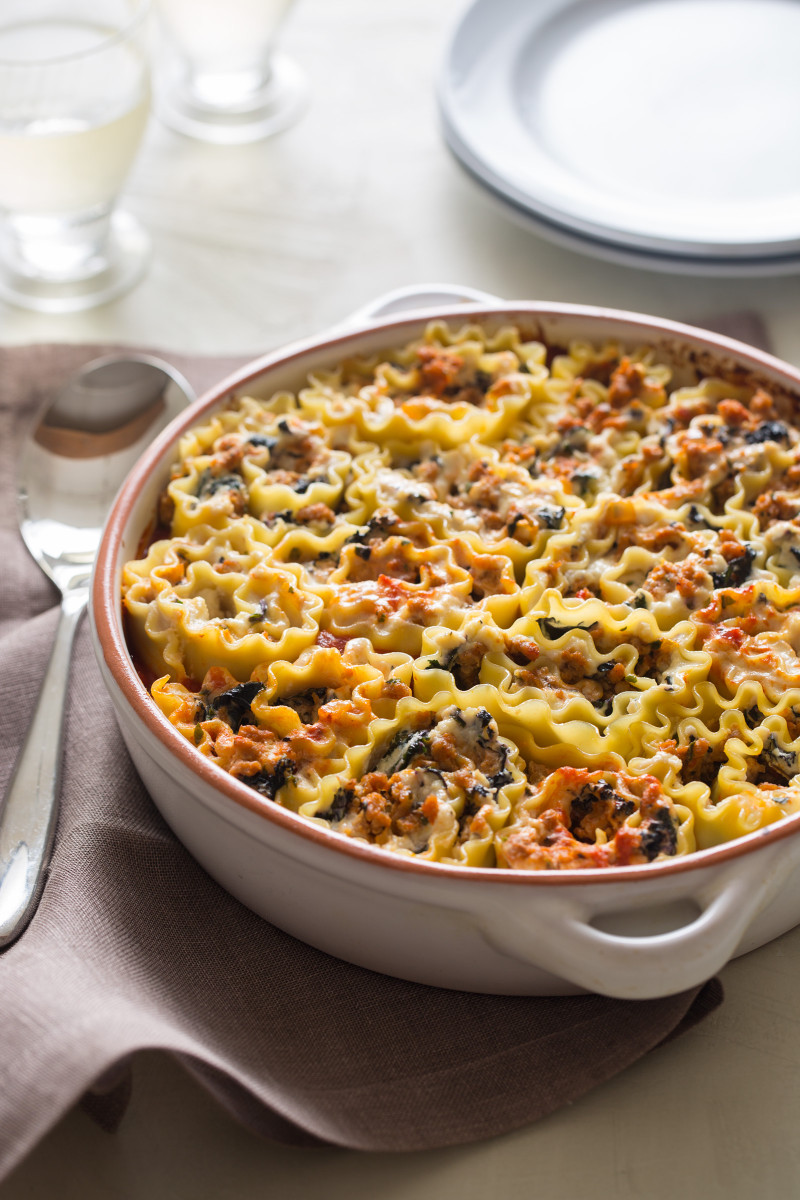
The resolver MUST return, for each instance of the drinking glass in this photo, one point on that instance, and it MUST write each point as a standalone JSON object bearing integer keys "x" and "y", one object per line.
{"x": 74, "y": 100}
{"x": 222, "y": 79}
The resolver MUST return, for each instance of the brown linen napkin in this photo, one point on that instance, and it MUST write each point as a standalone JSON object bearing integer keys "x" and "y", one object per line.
{"x": 134, "y": 947}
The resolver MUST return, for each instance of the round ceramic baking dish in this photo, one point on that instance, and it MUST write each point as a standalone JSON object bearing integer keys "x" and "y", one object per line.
{"x": 632, "y": 932}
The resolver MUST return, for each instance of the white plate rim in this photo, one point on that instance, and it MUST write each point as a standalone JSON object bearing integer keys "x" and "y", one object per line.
{"x": 756, "y": 267}
{"x": 522, "y": 18}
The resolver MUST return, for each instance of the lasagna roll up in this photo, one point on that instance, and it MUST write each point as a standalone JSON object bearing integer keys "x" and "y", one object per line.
{"x": 634, "y": 552}
{"x": 468, "y": 493}
{"x": 436, "y": 782}
{"x": 448, "y": 387}
{"x": 288, "y": 466}
{"x": 576, "y": 818}
{"x": 214, "y": 601}
{"x": 752, "y": 636}
{"x": 285, "y": 732}
{"x": 389, "y": 590}
{"x": 620, "y": 677}
{"x": 733, "y": 778}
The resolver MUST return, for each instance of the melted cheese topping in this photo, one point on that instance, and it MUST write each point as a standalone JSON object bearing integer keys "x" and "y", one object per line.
{"x": 482, "y": 602}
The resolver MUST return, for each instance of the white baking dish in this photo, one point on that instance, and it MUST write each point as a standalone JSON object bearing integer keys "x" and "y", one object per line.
{"x": 633, "y": 932}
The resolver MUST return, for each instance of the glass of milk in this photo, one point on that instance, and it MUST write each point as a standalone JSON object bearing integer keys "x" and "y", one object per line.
{"x": 74, "y": 101}
{"x": 221, "y": 78}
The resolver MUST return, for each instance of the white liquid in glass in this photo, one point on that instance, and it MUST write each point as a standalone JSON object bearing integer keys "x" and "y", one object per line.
{"x": 68, "y": 140}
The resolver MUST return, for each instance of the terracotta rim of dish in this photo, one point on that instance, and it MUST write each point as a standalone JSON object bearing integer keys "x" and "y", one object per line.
{"x": 108, "y": 624}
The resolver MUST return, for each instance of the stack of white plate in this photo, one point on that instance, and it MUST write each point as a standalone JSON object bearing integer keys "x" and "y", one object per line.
{"x": 657, "y": 133}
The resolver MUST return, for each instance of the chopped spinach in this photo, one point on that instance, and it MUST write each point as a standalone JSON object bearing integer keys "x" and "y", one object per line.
{"x": 209, "y": 484}
{"x": 768, "y": 431}
{"x": 697, "y": 518}
{"x": 659, "y": 834}
{"x": 463, "y": 662}
{"x": 306, "y": 704}
{"x": 269, "y": 783}
{"x": 664, "y": 480}
{"x": 514, "y": 522}
{"x": 737, "y": 571}
{"x": 260, "y": 439}
{"x": 574, "y": 439}
{"x": 234, "y": 705}
{"x": 376, "y": 527}
{"x": 553, "y": 629}
{"x": 775, "y": 759}
{"x": 477, "y": 792}
{"x": 406, "y": 745}
{"x": 427, "y": 782}
{"x": 338, "y": 806}
{"x": 285, "y": 515}
{"x": 584, "y": 482}
{"x": 600, "y": 802}
{"x": 753, "y": 716}
{"x": 552, "y": 516}
{"x": 263, "y": 609}
{"x": 501, "y": 777}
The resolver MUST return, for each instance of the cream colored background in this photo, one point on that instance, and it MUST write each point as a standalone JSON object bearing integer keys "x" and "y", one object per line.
{"x": 258, "y": 245}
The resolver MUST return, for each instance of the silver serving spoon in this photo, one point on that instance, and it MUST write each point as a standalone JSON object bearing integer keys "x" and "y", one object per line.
{"x": 80, "y": 450}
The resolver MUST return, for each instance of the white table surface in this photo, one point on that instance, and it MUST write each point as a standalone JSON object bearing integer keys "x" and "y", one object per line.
{"x": 258, "y": 245}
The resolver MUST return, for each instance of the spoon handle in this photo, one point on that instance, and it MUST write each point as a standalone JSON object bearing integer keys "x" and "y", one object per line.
{"x": 28, "y": 815}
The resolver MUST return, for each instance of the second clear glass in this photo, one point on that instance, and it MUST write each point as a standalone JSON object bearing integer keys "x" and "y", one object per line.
{"x": 222, "y": 78}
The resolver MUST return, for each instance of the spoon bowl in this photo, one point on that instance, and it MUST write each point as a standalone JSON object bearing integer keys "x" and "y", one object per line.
{"x": 82, "y": 445}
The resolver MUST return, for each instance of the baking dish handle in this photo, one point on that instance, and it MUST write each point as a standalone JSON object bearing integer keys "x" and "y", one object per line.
{"x": 563, "y": 942}
{"x": 419, "y": 296}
